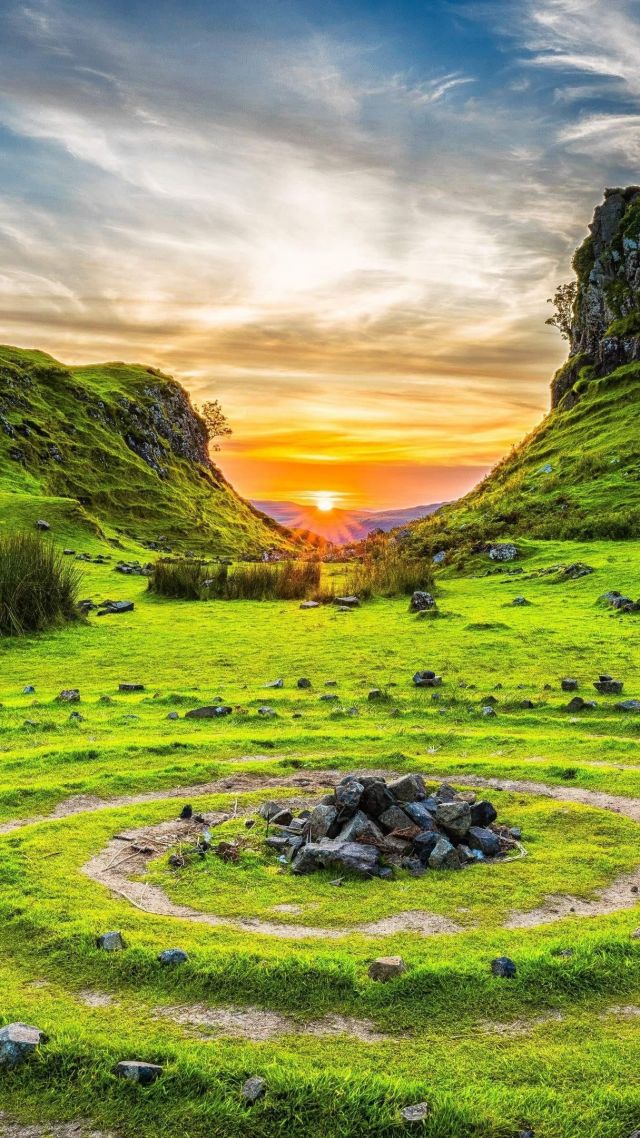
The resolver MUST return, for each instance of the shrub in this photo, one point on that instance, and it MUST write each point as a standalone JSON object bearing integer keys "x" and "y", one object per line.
{"x": 390, "y": 574}
{"x": 38, "y": 586}
{"x": 196, "y": 580}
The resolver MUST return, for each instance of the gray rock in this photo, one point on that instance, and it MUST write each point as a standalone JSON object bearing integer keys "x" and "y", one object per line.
{"x": 29, "y": 690}
{"x": 349, "y": 856}
{"x": 454, "y": 817}
{"x": 580, "y": 704}
{"x": 69, "y": 695}
{"x": 42, "y": 525}
{"x": 130, "y": 687}
{"x": 310, "y": 605}
{"x": 348, "y": 602}
{"x": 421, "y": 601}
{"x": 526, "y": 705}
{"x": 268, "y": 810}
{"x": 347, "y": 796}
{"x": 376, "y": 797}
{"x": 606, "y": 686}
{"x": 275, "y": 684}
{"x": 17, "y": 1042}
{"x": 488, "y": 711}
{"x": 282, "y": 818}
{"x": 173, "y": 715}
{"x": 417, "y": 1112}
{"x": 254, "y": 1089}
{"x": 212, "y": 711}
{"x": 503, "y": 551}
{"x": 445, "y": 793}
{"x": 321, "y": 821}
{"x": 108, "y": 608}
{"x": 444, "y": 856}
{"x": 173, "y": 956}
{"x": 483, "y": 813}
{"x": 111, "y": 942}
{"x": 385, "y": 968}
{"x": 304, "y": 684}
{"x": 520, "y": 602}
{"x": 375, "y": 694}
{"x": 419, "y": 815}
{"x": 439, "y": 557}
{"x": 360, "y": 827}
{"x": 484, "y": 840}
{"x": 503, "y": 967}
{"x": 427, "y": 679}
{"x": 267, "y": 712}
{"x": 136, "y": 1071}
{"x": 408, "y": 788}
{"x": 628, "y": 705}
{"x": 394, "y": 818}
{"x": 425, "y": 843}
{"x": 329, "y": 697}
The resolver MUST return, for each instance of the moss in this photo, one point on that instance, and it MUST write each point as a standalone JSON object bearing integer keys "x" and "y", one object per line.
{"x": 584, "y": 260}
{"x": 628, "y": 325}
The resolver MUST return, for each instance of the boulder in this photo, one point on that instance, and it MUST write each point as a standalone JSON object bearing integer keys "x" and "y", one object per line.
{"x": 607, "y": 686}
{"x": 520, "y": 602}
{"x": 69, "y": 695}
{"x": 580, "y": 704}
{"x": 569, "y": 685}
{"x": 376, "y": 797}
{"x": 483, "y": 813}
{"x": 454, "y": 817}
{"x": 268, "y": 810}
{"x": 385, "y": 968}
{"x": 503, "y": 551}
{"x": 254, "y": 1089}
{"x": 503, "y": 967}
{"x": 138, "y": 1072}
{"x": 421, "y": 601}
{"x": 212, "y": 711}
{"x": 111, "y": 942}
{"x": 351, "y": 857}
{"x": 17, "y": 1042}
{"x": 420, "y": 815}
{"x": 425, "y": 843}
{"x": 488, "y": 711}
{"x": 310, "y": 605}
{"x": 427, "y": 679}
{"x": 445, "y": 793}
{"x": 484, "y": 840}
{"x": 173, "y": 956}
{"x": 360, "y": 828}
{"x": 282, "y": 818}
{"x": 304, "y": 684}
{"x": 408, "y": 788}
{"x": 444, "y": 856}
{"x": 42, "y": 525}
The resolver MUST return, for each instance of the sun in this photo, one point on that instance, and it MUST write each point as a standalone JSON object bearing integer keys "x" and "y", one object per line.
{"x": 325, "y": 500}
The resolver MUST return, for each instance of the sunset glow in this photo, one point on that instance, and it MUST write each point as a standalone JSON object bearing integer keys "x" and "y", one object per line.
{"x": 344, "y": 234}
{"x": 325, "y": 501}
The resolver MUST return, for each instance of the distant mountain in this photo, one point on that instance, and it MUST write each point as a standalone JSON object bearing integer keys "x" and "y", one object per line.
{"x": 339, "y": 525}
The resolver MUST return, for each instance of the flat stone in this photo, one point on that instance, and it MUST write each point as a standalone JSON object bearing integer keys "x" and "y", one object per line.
{"x": 173, "y": 956}
{"x": 111, "y": 607}
{"x": 130, "y": 687}
{"x": 607, "y": 686}
{"x": 138, "y": 1072}
{"x": 348, "y": 602}
{"x": 213, "y": 711}
{"x": 417, "y": 1112}
{"x": 628, "y": 705}
{"x": 254, "y": 1089}
{"x": 329, "y": 697}
{"x": 426, "y": 679}
{"x": 17, "y": 1042}
{"x": 503, "y": 967}
{"x": 360, "y": 859}
{"x": 310, "y": 605}
{"x": 111, "y": 942}
{"x": 385, "y": 968}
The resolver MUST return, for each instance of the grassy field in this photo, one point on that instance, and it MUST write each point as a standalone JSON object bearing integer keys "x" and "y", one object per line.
{"x": 553, "y": 1051}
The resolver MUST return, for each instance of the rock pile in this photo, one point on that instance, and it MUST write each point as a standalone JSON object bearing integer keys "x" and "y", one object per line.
{"x": 619, "y": 602}
{"x": 370, "y": 827}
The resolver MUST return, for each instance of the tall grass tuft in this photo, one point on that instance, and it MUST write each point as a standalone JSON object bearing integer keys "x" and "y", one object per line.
{"x": 38, "y": 586}
{"x": 387, "y": 574}
{"x": 195, "y": 580}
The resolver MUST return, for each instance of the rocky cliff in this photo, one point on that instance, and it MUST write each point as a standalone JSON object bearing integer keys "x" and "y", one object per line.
{"x": 125, "y": 443}
{"x": 605, "y": 331}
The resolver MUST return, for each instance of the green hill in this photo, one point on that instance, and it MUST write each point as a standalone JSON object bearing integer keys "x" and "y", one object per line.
{"x": 577, "y": 476}
{"x": 115, "y": 448}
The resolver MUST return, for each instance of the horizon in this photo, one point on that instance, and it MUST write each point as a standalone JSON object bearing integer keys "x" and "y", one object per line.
{"x": 343, "y": 223}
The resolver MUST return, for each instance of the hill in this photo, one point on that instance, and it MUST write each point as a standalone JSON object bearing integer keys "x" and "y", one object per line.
{"x": 116, "y": 447}
{"x": 577, "y": 475}
{"x": 339, "y": 525}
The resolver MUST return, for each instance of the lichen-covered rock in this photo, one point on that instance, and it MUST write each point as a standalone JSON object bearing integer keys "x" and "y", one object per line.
{"x": 503, "y": 551}
{"x": 111, "y": 942}
{"x": 17, "y": 1042}
{"x": 454, "y": 817}
{"x": 421, "y": 601}
{"x": 253, "y": 1089}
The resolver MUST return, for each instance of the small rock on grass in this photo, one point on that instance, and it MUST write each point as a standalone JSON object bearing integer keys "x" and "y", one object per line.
{"x": 130, "y": 687}
{"x": 111, "y": 942}
{"x": 138, "y": 1072}
{"x": 417, "y": 1112}
{"x": 69, "y": 695}
{"x": 253, "y": 1089}
{"x": 386, "y": 968}
{"x": 173, "y": 956}
{"x": 17, "y": 1042}
{"x": 503, "y": 967}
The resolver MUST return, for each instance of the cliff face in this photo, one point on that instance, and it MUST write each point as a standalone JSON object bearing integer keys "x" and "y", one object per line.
{"x": 125, "y": 442}
{"x": 605, "y": 332}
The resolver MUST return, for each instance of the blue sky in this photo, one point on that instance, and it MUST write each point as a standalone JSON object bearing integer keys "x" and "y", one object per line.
{"x": 341, "y": 219}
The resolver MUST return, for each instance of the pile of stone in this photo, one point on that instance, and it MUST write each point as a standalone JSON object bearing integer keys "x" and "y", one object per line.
{"x": 370, "y": 827}
{"x": 619, "y": 602}
{"x": 133, "y": 568}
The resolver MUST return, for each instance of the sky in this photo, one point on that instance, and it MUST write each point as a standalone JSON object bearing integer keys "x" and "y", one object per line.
{"x": 341, "y": 219}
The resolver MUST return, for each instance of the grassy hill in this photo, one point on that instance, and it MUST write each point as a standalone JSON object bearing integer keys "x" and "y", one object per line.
{"x": 115, "y": 448}
{"x": 577, "y": 476}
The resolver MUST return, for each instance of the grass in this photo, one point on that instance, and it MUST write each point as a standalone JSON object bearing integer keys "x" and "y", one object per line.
{"x": 38, "y": 585}
{"x": 565, "y": 1077}
{"x": 388, "y": 573}
{"x": 193, "y": 580}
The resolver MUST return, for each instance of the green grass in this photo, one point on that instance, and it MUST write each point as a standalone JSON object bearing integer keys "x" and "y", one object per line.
{"x": 565, "y": 1076}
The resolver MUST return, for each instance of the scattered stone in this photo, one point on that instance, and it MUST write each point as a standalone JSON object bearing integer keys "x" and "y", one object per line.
{"x": 310, "y": 605}
{"x": 173, "y": 956}
{"x": 503, "y": 967}
{"x": 267, "y": 712}
{"x": 214, "y": 711}
{"x": 520, "y": 602}
{"x": 138, "y": 1072}
{"x": 385, "y": 968}
{"x": 421, "y": 601}
{"x": 17, "y": 1042}
{"x": 275, "y": 684}
{"x": 580, "y": 704}
{"x": 526, "y": 704}
{"x": 375, "y": 694}
{"x": 111, "y": 942}
{"x": 254, "y": 1088}
{"x": 427, "y": 679}
{"x": 29, "y": 690}
{"x": 329, "y": 697}
{"x": 186, "y": 813}
{"x": 130, "y": 687}
{"x": 108, "y": 608}
{"x": 173, "y": 715}
{"x": 76, "y": 717}
{"x": 454, "y": 817}
{"x": 608, "y": 686}
{"x": 42, "y": 525}
{"x": 408, "y": 788}
{"x": 415, "y": 1113}
{"x": 569, "y": 685}
{"x": 575, "y": 571}
{"x": 439, "y": 557}
{"x": 619, "y": 602}
{"x": 628, "y": 705}
{"x": 488, "y": 712}
{"x": 282, "y": 818}
{"x": 348, "y": 602}
{"x": 69, "y": 695}
{"x": 484, "y": 840}
{"x": 503, "y": 551}
{"x": 304, "y": 684}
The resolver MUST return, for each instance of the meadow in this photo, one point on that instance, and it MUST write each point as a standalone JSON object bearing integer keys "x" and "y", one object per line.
{"x": 276, "y": 980}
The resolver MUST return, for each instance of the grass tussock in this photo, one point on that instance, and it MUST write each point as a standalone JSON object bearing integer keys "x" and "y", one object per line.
{"x": 38, "y": 586}
{"x": 390, "y": 574}
{"x": 196, "y": 580}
